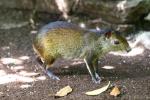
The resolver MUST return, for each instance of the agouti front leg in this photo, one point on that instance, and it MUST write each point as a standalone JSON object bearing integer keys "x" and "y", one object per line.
{"x": 95, "y": 65}
{"x": 90, "y": 66}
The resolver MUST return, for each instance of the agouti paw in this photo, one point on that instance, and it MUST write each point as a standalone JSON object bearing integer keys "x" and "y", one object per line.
{"x": 97, "y": 76}
{"x": 52, "y": 76}
{"x": 96, "y": 79}
{"x": 55, "y": 78}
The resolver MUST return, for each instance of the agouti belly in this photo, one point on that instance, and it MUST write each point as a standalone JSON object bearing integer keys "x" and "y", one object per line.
{"x": 66, "y": 40}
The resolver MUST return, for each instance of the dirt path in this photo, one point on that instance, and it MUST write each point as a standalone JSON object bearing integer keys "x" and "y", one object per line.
{"x": 22, "y": 79}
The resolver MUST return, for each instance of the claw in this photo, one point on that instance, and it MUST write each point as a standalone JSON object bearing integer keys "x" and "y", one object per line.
{"x": 97, "y": 76}
{"x": 96, "y": 79}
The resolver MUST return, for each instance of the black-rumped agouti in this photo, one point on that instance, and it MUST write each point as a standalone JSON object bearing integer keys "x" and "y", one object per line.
{"x": 69, "y": 41}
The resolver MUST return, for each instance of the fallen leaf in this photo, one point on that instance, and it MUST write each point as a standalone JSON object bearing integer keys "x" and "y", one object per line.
{"x": 63, "y": 92}
{"x": 115, "y": 91}
{"x": 98, "y": 91}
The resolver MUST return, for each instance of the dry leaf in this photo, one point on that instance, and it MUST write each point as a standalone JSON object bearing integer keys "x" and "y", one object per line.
{"x": 98, "y": 91}
{"x": 115, "y": 91}
{"x": 64, "y": 91}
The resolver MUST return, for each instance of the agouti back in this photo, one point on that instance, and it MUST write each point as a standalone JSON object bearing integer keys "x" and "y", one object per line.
{"x": 68, "y": 41}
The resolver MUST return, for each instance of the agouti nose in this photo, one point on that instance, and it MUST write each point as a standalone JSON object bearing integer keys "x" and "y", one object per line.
{"x": 128, "y": 49}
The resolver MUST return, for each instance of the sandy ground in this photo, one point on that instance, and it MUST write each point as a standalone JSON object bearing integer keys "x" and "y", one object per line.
{"x": 22, "y": 79}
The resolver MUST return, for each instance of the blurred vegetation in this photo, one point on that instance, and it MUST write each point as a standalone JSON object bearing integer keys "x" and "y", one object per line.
{"x": 127, "y": 16}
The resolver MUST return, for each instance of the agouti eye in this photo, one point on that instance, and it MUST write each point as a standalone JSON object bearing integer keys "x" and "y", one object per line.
{"x": 116, "y": 42}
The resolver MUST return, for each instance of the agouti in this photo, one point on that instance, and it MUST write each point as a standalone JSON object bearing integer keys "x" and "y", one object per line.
{"x": 69, "y": 41}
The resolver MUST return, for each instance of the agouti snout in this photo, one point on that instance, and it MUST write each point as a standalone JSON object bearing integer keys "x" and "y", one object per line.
{"x": 68, "y": 41}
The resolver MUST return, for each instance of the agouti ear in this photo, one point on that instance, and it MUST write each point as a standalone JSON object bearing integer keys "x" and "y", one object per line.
{"x": 108, "y": 34}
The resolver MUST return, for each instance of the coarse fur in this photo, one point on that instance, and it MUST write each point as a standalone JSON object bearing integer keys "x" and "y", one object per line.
{"x": 68, "y": 41}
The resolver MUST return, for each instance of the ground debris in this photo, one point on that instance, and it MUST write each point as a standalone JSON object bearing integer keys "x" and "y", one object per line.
{"x": 115, "y": 91}
{"x": 98, "y": 91}
{"x": 63, "y": 92}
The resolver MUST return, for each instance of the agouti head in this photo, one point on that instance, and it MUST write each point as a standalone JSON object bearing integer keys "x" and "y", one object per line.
{"x": 115, "y": 42}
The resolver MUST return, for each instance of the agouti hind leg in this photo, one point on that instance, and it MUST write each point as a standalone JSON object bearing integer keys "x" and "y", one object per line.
{"x": 49, "y": 60}
{"x": 46, "y": 69}
{"x": 50, "y": 74}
